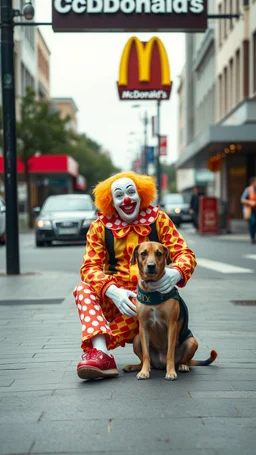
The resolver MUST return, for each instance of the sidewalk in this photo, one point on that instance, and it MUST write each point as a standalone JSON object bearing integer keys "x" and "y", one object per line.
{"x": 46, "y": 409}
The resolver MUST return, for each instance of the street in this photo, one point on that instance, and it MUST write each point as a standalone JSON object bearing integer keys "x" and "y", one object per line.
{"x": 46, "y": 409}
{"x": 213, "y": 254}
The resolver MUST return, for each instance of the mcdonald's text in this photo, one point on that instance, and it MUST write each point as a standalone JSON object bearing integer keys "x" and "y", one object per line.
{"x": 129, "y": 6}
{"x": 127, "y": 15}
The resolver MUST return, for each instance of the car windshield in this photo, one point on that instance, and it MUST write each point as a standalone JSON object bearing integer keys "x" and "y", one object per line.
{"x": 174, "y": 199}
{"x": 60, "y": 204}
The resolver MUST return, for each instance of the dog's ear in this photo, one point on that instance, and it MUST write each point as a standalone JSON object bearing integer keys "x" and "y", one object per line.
{"x": 167, "y": 255}
{"x": 134, "y": 255}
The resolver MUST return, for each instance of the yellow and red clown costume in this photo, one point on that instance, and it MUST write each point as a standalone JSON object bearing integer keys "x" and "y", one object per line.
{"x": 97, "y": 312}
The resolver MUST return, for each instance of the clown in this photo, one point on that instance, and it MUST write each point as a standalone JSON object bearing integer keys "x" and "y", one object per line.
{"x": 109, "y": 281}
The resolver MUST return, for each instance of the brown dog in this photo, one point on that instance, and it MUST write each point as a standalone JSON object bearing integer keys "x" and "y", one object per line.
{"x": 164, "y": 339}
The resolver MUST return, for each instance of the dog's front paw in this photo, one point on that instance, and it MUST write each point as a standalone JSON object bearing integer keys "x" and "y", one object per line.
{"x": 171, "y": 376}
{"x": 143, "y": 375}
{"x": 184, "y": 368}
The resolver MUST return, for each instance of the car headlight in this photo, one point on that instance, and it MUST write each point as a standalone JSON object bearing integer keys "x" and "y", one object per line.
{"x": 177, "y": 210}
{"x": 44, "y": 223}
{"x": 87, "y": 223}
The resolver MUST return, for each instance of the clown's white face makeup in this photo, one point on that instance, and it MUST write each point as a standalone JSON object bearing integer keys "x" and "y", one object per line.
{"x": 126, "y": 199}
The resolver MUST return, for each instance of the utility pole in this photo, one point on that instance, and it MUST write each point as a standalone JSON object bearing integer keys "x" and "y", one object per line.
{"x": 9, "y": 138}
{"x": 145, "y": 161}
{"x": 157, "y": 158}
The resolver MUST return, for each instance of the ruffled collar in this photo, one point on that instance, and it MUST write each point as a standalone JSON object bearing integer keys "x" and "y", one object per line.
{"x": 141, "y": 225}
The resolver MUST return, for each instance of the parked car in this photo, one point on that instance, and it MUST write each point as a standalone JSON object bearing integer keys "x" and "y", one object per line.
{"x": 176, "y": 208}
{"x": 2, "y": 221}
{"x": 65, "y": 217}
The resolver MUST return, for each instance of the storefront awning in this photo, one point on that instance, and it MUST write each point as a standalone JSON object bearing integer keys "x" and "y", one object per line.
{"x": 214, "y": 140}
{"x": 47, "y": 164}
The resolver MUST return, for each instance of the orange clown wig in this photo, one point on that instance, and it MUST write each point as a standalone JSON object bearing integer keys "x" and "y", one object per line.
{"x": 103, "y": 197}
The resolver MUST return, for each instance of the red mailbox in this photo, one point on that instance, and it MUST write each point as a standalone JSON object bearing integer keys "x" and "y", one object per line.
{"x": 208, "y": 215}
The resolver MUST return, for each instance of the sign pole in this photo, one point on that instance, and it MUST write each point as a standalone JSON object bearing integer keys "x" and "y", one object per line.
{"x": 9, "y": 139}
{"x": 158, "y": 165}
{"x": 144, "y": 161}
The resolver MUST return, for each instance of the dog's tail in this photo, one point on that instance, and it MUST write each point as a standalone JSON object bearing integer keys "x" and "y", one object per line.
{"x": 206, "y": 362}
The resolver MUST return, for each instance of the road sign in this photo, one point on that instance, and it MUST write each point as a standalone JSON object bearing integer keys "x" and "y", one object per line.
{"x": 163, "y": 146}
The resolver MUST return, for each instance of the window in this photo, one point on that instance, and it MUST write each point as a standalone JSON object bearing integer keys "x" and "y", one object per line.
{"x": 238, "y": 75}
{"x": 220, "y": 25}
{"x": 27, "y": 79}
{"x": 237, "y": 8}
{"x": 231, "y": 82}
{"x": 225, "y": 90}
{"x": 230, "y": 12}
{"x": 30, "y": 35}
{"x": 225, "y": 20}
{"x": 254, "y": 62}
{"x": 220, "y": 96}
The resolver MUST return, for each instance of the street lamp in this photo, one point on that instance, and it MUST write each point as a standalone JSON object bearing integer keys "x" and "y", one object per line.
{"x": 28, "y": 10}
{"x": 9, "y": 130}
{"x": 144, "y": 153}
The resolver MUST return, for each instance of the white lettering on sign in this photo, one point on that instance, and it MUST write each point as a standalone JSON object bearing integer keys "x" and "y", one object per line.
{"x": 79, "y": 6}
{"x": 140, "y": 94}
{"x": 129, "y": 6}
{"x": 94, "y": 6}
{"x": 111, "y": 6}
{"x": 61, "y": 7}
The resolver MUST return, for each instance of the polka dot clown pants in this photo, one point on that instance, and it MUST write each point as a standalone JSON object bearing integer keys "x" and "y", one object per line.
{"x": 102, "y": 317}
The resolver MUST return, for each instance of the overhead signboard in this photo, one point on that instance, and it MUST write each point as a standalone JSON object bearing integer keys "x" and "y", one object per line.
{"x": 129, "y": 15}
{"x": 144, "y": 72}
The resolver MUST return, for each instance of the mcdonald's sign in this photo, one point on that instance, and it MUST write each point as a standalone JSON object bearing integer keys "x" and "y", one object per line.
{"x": 129, "y": 15}
{"x": 144, "y": 72}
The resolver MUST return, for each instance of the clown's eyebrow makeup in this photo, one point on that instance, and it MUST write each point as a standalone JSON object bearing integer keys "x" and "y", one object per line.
{"x": 120, "y": 189}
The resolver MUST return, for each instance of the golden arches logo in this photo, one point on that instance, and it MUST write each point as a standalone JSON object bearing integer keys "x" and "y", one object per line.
{"x": 144, "y": 54}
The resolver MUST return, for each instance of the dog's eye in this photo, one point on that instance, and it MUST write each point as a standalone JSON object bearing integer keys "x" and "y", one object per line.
{"x": 159, "y": 254}
{"x": 143, "y": 254}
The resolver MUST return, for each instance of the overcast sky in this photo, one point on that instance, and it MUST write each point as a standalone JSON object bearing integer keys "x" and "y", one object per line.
{"x": 85, "y": 66}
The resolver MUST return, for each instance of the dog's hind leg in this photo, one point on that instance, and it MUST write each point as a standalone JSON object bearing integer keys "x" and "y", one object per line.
{"x": 138, "y": 351}
{"x": 185, "y": 353}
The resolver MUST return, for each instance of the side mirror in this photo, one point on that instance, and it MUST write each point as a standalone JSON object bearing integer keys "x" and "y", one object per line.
{"x": 36, "y": 211}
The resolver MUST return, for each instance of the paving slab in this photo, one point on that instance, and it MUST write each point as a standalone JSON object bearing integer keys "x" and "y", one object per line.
{"x": 46, "y": 409}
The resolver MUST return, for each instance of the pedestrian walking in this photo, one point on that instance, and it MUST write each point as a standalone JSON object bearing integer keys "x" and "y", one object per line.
{"x": 194, "y": 205}
{"x": 109, "y": 281}
{"x": 248, "y": 199}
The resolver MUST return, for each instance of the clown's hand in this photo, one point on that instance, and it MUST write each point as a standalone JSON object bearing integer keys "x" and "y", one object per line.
{"x": 121, "y": 299}
{"x": 167, "y": 282}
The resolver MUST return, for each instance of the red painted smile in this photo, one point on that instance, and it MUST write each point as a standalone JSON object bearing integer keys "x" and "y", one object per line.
{"x": 128, "y": 209}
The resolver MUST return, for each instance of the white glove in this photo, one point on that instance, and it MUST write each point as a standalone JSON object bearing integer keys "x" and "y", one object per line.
{"x": 167, "y": 282}
{"x": 121, "y": 299}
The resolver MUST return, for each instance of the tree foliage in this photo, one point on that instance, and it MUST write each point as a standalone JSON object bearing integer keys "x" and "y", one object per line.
{"x": 41, "y": 130}
{"x": 170, "y": 170}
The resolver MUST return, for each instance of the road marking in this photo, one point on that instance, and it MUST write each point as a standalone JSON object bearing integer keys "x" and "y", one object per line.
{"x": 221, "y": 266}
{"x": 250, "y": 256}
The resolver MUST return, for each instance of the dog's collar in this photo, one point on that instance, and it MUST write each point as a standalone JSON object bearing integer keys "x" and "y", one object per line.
{"x": 155, "y": 297}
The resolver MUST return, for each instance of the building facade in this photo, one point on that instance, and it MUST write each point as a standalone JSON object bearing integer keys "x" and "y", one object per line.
{"x": 43, "y": 67}
{"x": 220, "y": 105}
{"x": 67, "y": 107}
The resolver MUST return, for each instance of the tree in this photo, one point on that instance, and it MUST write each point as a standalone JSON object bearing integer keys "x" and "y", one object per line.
{"x": 170, "y": 170}
{"x": 39, "y": 130}
{"x": 42, "y": 130}
{"x": 93, "y": 164}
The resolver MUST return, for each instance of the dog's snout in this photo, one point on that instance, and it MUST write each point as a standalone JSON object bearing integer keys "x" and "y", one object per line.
{"x": 151, "y": 267}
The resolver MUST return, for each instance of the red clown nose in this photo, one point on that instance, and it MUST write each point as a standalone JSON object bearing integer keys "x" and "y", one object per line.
{"x": 127, "y": 200}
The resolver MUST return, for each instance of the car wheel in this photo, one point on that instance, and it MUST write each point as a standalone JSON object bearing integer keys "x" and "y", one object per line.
{"x": 39, "y": 243}
{"x": 48, "y": 243}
